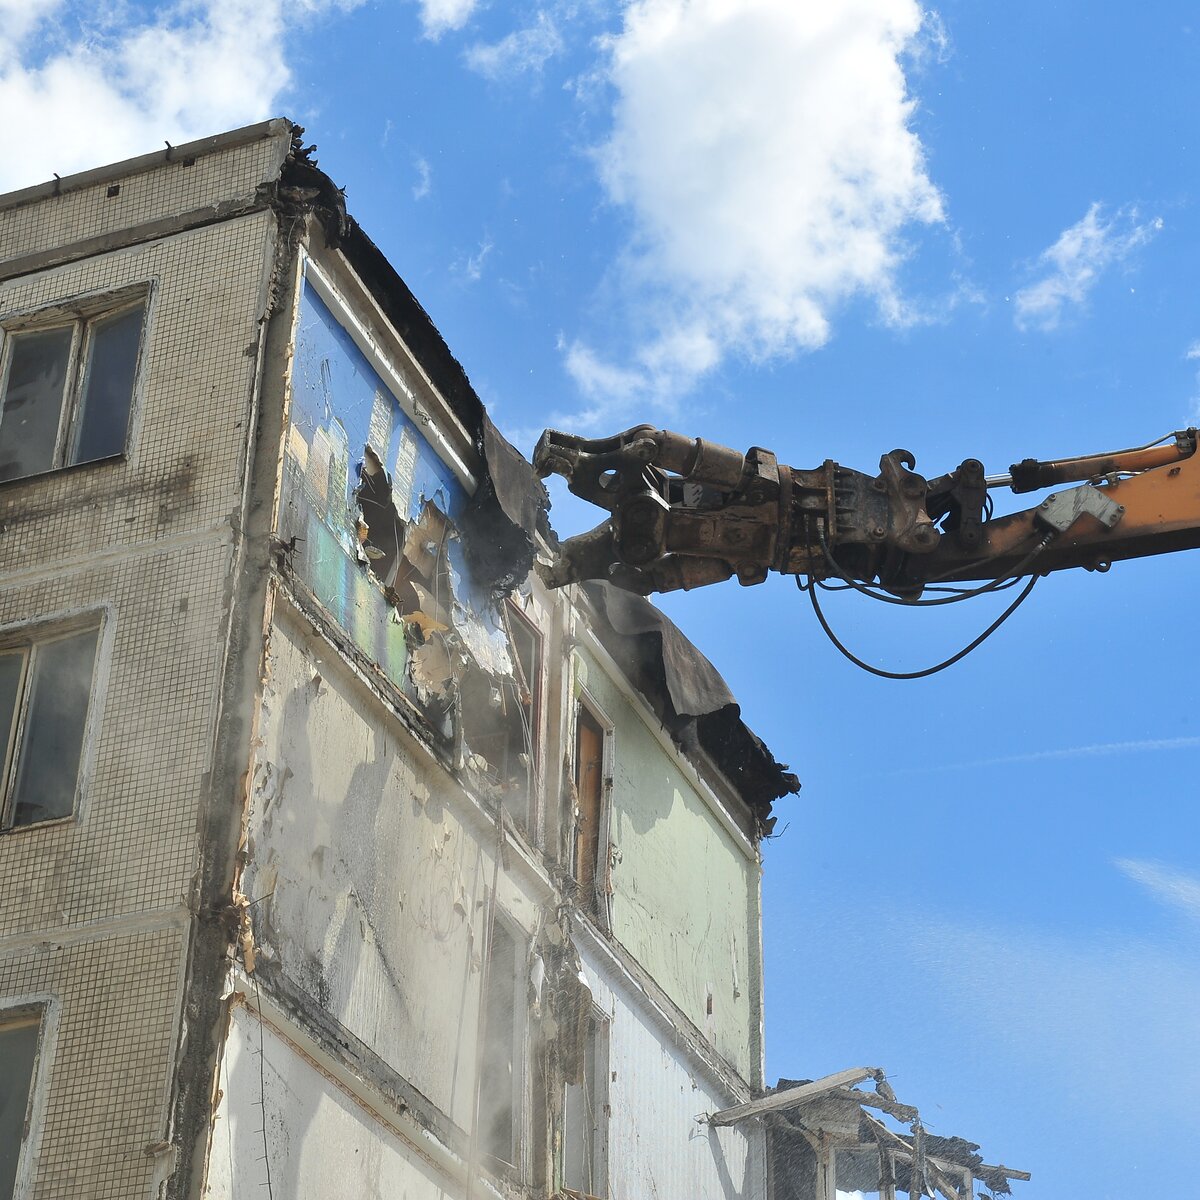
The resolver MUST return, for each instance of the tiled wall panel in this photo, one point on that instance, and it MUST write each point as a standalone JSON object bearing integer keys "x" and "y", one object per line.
{"x": 132, "y": 845}
{"x": 150, "y": 196}
{"x": 94, "y": 908}
{"x": 104, "y": 1073}
{"x": 191, "y": 408}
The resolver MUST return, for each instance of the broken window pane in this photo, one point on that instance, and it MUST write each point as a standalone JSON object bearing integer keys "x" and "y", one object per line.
{"x": 858, "y": 1174}
{"x": 51, "y": 741}
{"x": 102, "y": 421}
{"x": 500, "y": 1083}
{"x": 18, "y": 1052}
{"x": 33, "y": 400}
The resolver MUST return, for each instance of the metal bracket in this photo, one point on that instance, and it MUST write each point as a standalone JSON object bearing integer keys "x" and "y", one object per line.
{"x": 1062, "y": 509}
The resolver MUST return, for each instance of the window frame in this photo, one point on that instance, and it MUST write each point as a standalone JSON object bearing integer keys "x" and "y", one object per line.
{"x": 600, "y": 1038}
{"x": 519, "y": 619}
{"x": 44, "y": 1008}
{"x": 80, "y": 314}
{"x": 28, "y": 637}
{"x": 598, "y": 905}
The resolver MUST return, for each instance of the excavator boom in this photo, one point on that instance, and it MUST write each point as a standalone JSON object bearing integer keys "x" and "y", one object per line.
{"x": 684, "y": 512}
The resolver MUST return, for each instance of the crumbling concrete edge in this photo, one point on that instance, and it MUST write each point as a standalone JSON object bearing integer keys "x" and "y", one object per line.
{"x": 215, "y": 919}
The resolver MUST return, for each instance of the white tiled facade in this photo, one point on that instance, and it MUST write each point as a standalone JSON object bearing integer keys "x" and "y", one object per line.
{"x": 95, "y": 911}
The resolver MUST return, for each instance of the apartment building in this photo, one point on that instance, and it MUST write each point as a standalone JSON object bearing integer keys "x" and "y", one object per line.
{"x": 340, "y": 857}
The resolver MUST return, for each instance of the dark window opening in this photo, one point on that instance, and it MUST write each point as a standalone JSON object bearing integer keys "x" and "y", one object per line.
{"x": 858, "y": 1174}
{"x": 792, "y": 1164}
{"x": 68, "y": 390}
{"x": 18, "y": 1055}
{"x": 33, "y": 401}
{"x": 500, "y": 1077}
{"x": 45, "y": 688}
{"x": 589, "y": 800}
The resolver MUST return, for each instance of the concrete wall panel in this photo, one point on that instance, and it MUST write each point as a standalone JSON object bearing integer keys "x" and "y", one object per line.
{"x": 108, "y": 1035}
{"x": 374, "y": 878}
{"x": 189, "y": 427}
{"x": 281, "y": 1122}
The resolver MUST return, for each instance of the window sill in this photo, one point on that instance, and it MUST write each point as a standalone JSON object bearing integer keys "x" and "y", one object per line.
{"x": 70, "y": 467}
{"x": 50, "y": 822}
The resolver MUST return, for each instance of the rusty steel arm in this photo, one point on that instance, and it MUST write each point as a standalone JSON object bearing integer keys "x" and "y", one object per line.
{"x": 684, "y": 512}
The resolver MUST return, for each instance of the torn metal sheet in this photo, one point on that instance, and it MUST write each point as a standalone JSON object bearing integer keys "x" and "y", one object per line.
{"x": 692, "y": 700}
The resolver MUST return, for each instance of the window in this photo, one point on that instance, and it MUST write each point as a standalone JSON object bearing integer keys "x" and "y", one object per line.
{"x": 589, "y": 779}
{"x": 68, "y": 378}
{"x": 45, "y": 686}
{"x": 585, "y": 1118}
{"x": 18, "y": 1054}
{"x": 501, "y": 1083}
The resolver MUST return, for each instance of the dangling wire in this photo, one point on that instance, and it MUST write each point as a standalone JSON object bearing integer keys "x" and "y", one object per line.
{"x": 1004, "y": 582}
{"x": 949, "y": 662}
{"x": 957, "y": 596}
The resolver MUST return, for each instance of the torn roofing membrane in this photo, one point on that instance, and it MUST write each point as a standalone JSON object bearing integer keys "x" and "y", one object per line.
{"x": 689, "y": 696}
{"x": 490, "y": 536}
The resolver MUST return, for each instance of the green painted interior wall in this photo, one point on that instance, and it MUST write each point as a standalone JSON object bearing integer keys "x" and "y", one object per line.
{"x": 685, "y": 896}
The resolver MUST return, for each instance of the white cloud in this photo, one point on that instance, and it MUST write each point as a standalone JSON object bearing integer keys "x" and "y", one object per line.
{"x": 763, "y": 151}
{"x": 1077, "y": 260}
{"x": 444, "y": 16}
{"x": 18, "y": 19}
{"x": 1174, "y": 888}
{"x": 76, "y": 95}
{"x": 1193, "y": 351}
{"x": 470, "y": 267}
{"x": 663, "y": 368}
{"x": 520, "y": 52}
{"x": 424, "y": 184}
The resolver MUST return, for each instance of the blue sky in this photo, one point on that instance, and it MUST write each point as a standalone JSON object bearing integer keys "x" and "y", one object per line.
{"x": 831, "y": 230}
